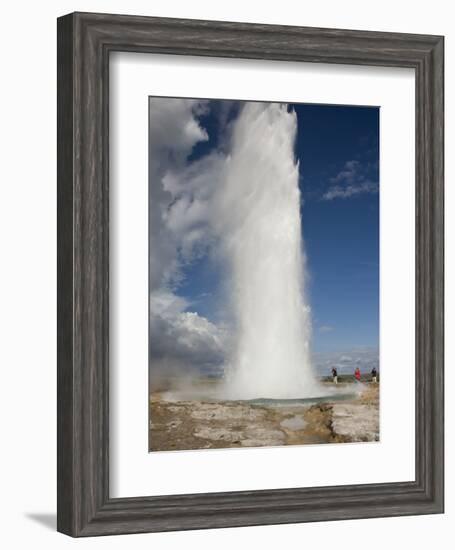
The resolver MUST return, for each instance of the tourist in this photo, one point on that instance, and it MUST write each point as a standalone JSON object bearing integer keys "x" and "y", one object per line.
{"x": 334, "y": 375}
{"x": 357, "y": 374}
{"x": 374, "y": 375}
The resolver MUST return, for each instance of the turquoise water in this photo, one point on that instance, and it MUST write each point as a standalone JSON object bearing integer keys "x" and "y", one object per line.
{"x": 301, "y": 401}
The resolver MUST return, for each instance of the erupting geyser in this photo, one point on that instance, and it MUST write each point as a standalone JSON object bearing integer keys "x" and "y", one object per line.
{"x": 262, "y": 241}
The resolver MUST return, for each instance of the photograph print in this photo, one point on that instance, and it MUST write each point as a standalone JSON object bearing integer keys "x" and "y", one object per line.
{"x": 263, "y": 274}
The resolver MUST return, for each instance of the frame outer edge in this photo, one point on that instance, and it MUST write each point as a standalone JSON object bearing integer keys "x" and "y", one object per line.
{"x": 84, "y": 507}
{"x": 430, "y": 276}
{"x": 437, "y": 157}
{"x": 66, "y": 446}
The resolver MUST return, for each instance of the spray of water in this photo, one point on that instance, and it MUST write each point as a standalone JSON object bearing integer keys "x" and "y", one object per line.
{"x": 260, "y": 227}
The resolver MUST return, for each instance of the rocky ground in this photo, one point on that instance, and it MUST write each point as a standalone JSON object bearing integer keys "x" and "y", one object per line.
{"x": 184, "y": 425}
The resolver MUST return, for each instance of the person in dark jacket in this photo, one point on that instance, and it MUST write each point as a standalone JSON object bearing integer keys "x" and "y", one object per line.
{"x": 335, "y": 375}
{"x": 374, "y": 375}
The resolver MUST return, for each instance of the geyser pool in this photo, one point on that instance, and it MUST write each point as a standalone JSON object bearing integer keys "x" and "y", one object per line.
{"x": 261, "y": 237}
{"x": 277, "y": 402}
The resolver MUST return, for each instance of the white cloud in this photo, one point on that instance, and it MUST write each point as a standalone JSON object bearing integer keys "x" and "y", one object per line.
{"x": 174, "y": 131}
{"x": 183, "y": 338}
{"x": 339, "y": 192}
{"x": 349, "y": 182}
{"x": 188, "y": 215}
{"x": 180, "y": 194}
{"x": 166, "y": 304}
{"x": 174, "y": 126}
{"x": 349, "y": 172}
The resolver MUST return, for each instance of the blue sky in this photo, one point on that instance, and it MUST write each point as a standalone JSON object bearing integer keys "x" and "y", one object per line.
{"x": 338, "y": 152}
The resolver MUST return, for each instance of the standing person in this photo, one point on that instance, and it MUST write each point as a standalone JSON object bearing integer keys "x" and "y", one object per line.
{"x": 357, "y": 374}
{"x": 334, "y": 375}
{"x": 374, "y": 375}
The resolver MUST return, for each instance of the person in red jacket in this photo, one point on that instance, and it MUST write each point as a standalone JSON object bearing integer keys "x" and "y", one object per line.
{"x": 357, "y": 374}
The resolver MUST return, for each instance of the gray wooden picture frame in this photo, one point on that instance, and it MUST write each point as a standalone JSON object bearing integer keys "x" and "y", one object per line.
{"x": 85, "y": 41}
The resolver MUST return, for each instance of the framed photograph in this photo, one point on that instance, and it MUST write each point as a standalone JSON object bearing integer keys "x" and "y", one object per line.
{"x": 241, "y": 193}
{"x": 250, "y": 274}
